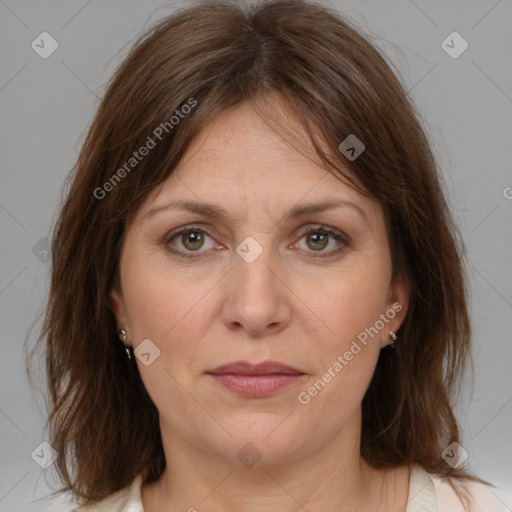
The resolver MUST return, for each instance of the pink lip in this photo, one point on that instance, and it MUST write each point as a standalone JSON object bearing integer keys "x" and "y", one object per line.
{"x": 255, "y": 380}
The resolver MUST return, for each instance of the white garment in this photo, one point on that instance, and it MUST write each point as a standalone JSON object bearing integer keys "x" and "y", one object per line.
{"x": 427, "y": 493}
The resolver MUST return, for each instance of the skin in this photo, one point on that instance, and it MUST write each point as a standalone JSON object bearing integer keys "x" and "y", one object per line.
{"x": 216, "y": 308}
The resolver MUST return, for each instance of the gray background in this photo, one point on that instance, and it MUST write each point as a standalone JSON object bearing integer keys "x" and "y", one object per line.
{"x": 47, "y": 104}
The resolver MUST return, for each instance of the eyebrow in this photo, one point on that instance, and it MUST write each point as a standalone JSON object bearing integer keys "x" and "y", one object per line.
{"x": 213, "y": 211}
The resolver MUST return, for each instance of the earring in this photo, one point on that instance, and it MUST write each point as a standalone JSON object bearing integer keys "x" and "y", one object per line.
{"x": 393, "y": 337}
{"x": 122, "y": 335}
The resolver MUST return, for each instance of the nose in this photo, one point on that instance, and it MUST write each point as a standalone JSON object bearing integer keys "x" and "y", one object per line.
{"x": 256, "y": 296}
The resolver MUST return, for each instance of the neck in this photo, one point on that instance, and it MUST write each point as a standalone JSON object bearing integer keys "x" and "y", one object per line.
{"x": 332, "y": 478}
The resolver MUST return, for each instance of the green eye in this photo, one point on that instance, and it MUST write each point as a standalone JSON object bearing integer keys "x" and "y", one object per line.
{"x": 191, "y": 239}
{"x": 317, "y": 239}
{"x": 194, "y": 238}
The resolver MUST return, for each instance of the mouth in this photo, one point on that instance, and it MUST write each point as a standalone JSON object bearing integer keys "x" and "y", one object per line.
{"x": 255, "y": 380}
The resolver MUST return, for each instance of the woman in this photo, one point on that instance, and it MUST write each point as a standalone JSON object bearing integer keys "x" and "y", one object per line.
{"x": 257, "y": 298}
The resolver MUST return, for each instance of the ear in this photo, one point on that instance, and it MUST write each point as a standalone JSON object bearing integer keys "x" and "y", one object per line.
{"x": 397, "y": 306}
{"x": 116, "y": 303}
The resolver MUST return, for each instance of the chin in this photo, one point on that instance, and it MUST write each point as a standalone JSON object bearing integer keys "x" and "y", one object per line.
{"x": 260, "y": 438}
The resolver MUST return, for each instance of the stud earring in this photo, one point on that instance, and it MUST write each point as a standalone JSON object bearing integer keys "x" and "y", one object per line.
{"x": 393, "y": 337}
{"x": 122, "y": 335}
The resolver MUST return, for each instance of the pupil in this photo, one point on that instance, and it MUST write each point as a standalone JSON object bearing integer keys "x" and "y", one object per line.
{"x": 195, "y": 238}
{"x": 315, "y": 237}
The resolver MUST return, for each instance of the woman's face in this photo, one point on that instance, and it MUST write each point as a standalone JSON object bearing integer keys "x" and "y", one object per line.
{"x": 246, "y": 282}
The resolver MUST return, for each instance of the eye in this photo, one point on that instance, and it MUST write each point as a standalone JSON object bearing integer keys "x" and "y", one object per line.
{"x": 318, "y": 238}
{"x": 191, "y": 239}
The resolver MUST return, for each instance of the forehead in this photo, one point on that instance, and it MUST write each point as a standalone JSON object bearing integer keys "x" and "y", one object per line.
{"x": 240, "y": 145}
{"x": 240, "y": 162}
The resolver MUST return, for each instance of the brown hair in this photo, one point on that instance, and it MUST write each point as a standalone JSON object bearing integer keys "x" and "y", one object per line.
{"x": 216, "y": 55}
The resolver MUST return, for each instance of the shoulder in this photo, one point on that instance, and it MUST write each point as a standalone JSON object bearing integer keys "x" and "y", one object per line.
{"x": 125, "y": 500}
{"x": 481, "y": 497}
{"x": 429, "y": 492}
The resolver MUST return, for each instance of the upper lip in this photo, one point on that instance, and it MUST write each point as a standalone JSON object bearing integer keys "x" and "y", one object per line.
{"x": 248, "y": 368}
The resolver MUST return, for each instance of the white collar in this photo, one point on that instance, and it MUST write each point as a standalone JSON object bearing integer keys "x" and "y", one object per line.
{"x": 421, "y": 498}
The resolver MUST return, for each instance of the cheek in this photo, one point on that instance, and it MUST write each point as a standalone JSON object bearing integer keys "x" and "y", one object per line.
{"x": 350, "y": 332}
{"x": 173, "y": 310}
{"x": 166, "y": 309}
{"x": 344, "y": 361}
{"x": 159, "y": 302}
{"x": 347, "y": 302}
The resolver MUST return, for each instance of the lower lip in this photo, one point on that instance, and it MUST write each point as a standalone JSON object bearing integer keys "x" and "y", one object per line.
{"x": 256, "y": 385}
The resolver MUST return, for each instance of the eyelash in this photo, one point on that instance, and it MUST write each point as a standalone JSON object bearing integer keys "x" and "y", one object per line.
{"x": 344, "y": 243}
